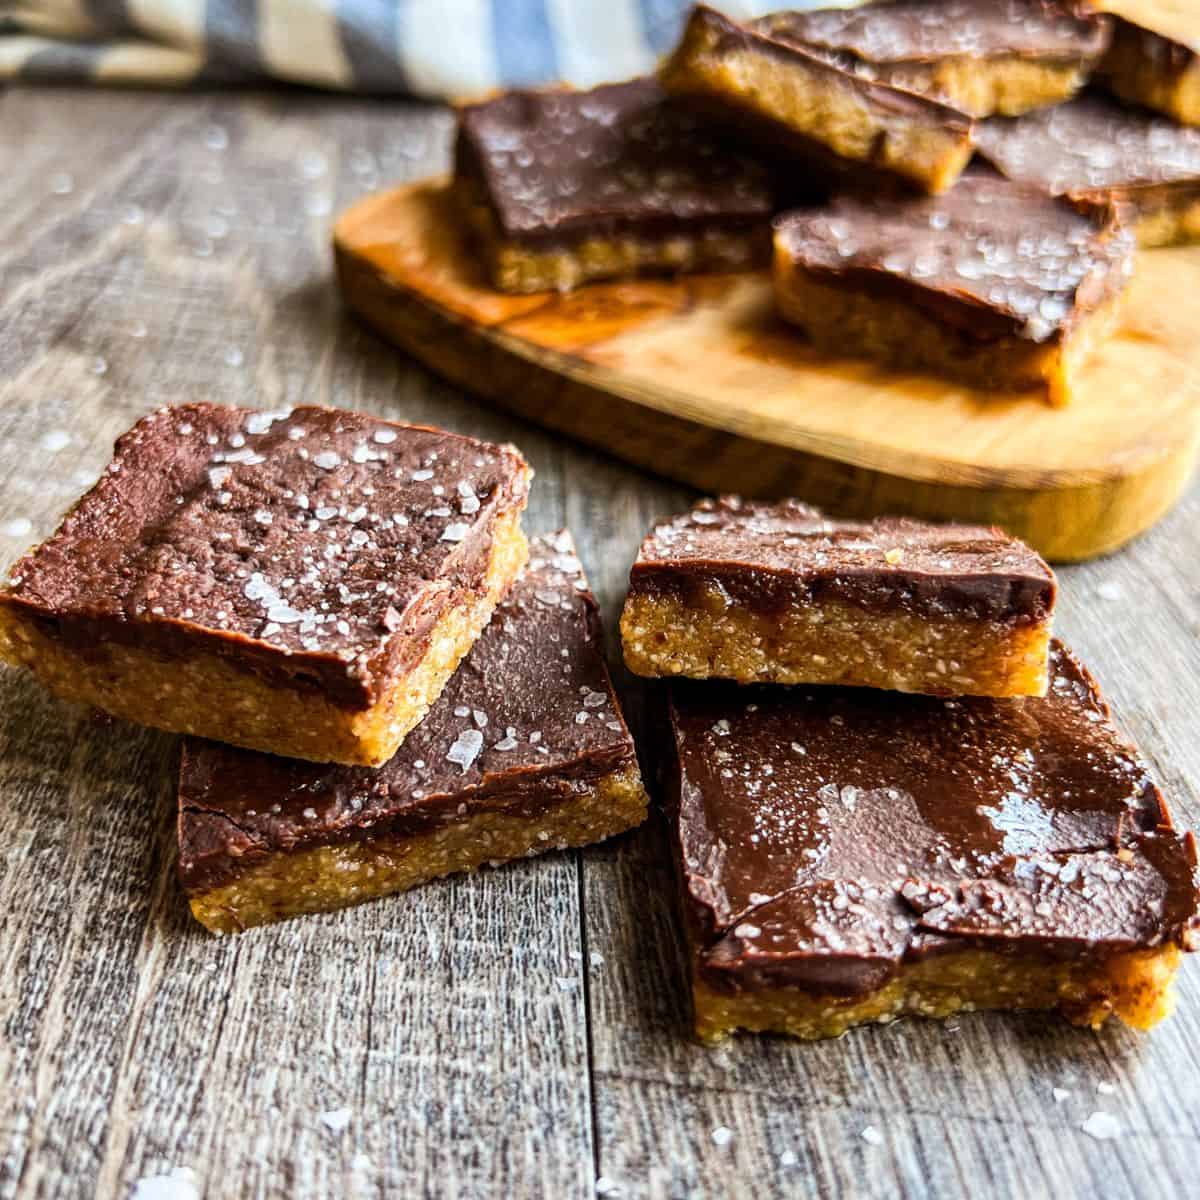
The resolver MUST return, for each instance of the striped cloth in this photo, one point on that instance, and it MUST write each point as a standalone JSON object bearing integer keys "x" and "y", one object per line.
{"x": 436, "y": 48}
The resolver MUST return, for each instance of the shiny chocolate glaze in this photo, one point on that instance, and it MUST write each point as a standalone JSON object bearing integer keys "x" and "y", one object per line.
{"x": 991, "y": 257}
{"x": 526, "y": 723}
{"x": 771, "y": 556}
{"x": 556, "y": 166}
{"x": 315, "y": 546}
{"x": 829, "y": 835}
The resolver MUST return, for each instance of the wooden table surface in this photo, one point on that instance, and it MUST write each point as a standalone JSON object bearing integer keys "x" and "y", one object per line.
{"x": 521, "y": 1032}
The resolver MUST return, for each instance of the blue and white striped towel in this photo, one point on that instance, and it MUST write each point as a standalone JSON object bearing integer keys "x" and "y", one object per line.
{"x": 435, "y": 48}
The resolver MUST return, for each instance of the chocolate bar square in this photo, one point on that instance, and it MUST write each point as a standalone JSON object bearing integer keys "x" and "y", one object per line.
{"x": 851, "y": 856}
{"x": 302, "y": 582}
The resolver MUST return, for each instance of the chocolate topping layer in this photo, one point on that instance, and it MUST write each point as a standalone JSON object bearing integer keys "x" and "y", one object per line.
{"x": 827, "y": 835}
{"x": 526, "y": 721}
{"x": 316, "y": 545}
{"x": 1095, "y": 148}
{"x": 770, "y": 555}
{"x": 990, "y": 257}
{"x": 558, "y": 165}
{"x": 929, "y": 30}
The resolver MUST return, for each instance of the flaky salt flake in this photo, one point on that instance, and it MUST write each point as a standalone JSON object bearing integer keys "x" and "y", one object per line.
{"x": 1102, "y": 1126}
{"x": 1061, "y": 1095}
{"x": 385, "y": 437}
{"x": 177, "y": 1184}
{"x": 455, "y": 532}
{"x": 336, "y": 1119}
{"x": 872, "y": 1136}
{"x": 594, "y": 699}
{"x": 327, "y": 460}
{"x": 595, "y": 959}
{"x": 788, "y": 1158}
{"x": 421, "y": 476}
{"x": 722, "y": 1135}
{"x": 566, "y": 984}
{"x": 466, "y": 749}
{"x": 746, "y": 930}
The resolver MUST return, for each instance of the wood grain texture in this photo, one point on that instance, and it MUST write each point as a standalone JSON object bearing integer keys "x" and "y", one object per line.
{"x": 697, "y": 379}
{"x": 479, "y": 1051}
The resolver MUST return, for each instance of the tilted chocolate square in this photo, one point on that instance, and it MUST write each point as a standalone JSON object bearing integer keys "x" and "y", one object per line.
{"x": 301, "y": 582}
{"x": 1155, "y": 56}
{"x": 979, "y": 56}
{"x": 850, "y": 856}
{"x": 996, "y": 284}
{"x": 1100, "y": 151}
{"x": 802, "y": 103}
{"x": 525, "y": 751}
{"x": 779, "y": 593}
{"x": 564, "y": 187}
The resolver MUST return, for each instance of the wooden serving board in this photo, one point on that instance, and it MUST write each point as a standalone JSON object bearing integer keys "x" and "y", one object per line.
{"x": 697, "y": 379}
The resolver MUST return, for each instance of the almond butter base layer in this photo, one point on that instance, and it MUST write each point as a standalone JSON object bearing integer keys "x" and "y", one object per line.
{"x": 520, "y": 268}
{"x": 833, "y": 643}
{"x": 242, "y": 708}
{"x": 1132, "y": 985}
{"x": 733, "y": 70}
{"x": 840, "y": 319}
{"x": 331, "y": 877}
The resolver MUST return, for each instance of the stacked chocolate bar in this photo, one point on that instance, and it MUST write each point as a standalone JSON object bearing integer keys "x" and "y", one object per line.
{"x": 380, "y": 680}
{"x": 945, "y": 197}
{"x": 892, "y": 792}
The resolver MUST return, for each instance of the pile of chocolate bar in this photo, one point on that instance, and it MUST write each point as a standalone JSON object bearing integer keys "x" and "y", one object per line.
{"x": 892, "y": 792}
{"x": 956, "y": 186}
{"x": 380, "y": 681}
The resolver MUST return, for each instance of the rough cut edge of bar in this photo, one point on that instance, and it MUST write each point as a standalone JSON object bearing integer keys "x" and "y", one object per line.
{"x": 1133, "y": 985}
{"x": 828, "y": 642}
{"x": 841, "y": 319}
{"x": 812, "y": 99}
{"x": 206, "y": 694}
{"x": 521, "y": 268}
{"x": 325, "y": 878}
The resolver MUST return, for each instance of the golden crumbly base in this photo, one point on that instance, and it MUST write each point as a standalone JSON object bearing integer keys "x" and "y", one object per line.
{"x": 1172, "y": 225}
{"x": 841, "y": 320}
{"x": 1136, "y": 78}
{"x": 332, "y": 877}
{"x": 1134, "y": 985}
{"x": 1002, "y": 86}
{"x": 518, "y": 268}
{"x": 819, "y": 105}
{"x": 833, "y": 643}
{"x": 207, "y": 695}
